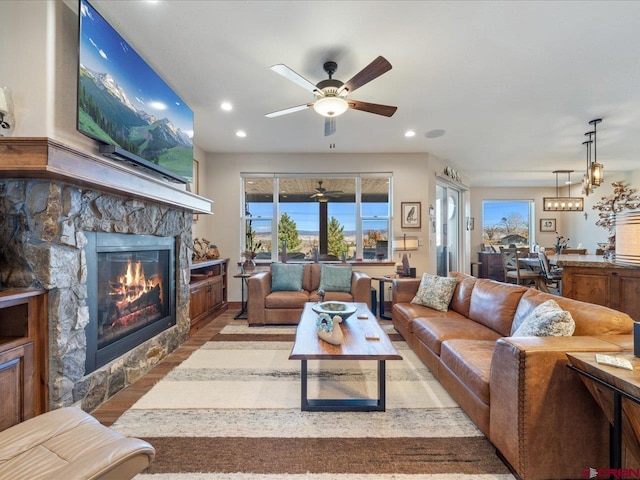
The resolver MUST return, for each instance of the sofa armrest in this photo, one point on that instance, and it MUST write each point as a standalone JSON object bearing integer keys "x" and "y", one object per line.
{"x": 404, "y": 289}
{"x": 543, "y": 419}
{"x": 258, "y": 287}
{"x": 121, "y": 459}
{"x": 361, "y": 288}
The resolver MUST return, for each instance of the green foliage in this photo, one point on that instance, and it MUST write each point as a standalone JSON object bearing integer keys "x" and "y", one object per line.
{"x": 288, "y": 232}
{"x": 337, "y": 243}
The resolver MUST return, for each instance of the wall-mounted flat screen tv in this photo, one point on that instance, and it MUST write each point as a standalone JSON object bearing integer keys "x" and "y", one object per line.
{"x": 126, "y": 106}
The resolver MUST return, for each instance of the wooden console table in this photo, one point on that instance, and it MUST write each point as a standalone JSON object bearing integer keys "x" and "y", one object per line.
{"x": 618, "y": 384}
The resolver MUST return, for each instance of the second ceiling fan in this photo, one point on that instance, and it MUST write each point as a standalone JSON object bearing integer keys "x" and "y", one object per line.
{"x": 331, "y": 94}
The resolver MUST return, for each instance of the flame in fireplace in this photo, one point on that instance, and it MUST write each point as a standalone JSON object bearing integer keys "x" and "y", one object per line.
{"x": 133, "y": 284}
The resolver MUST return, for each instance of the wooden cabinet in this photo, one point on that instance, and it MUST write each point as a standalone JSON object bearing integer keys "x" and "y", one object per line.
{"x": 491, "y": 266}
{"x": 23, "y": 356}
{"x": 208, "y": 289}
{"x": 614, "y": 287}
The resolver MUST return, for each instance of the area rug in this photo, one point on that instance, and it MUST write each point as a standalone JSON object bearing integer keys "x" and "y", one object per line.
{"x": 231, "y": 411}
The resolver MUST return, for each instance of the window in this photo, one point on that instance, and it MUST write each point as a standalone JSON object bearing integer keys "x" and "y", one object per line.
{"x": 330, "y": 216}
{"x": 506, "y": 222}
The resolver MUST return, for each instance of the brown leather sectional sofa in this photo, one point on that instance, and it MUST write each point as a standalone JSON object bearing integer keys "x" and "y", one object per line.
{"x": 517, "y": 390}
{"x": 265, "y": 307}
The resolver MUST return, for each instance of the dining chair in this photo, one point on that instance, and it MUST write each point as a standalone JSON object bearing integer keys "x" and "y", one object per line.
{"x": 512, "y": 270}
{"x": 552, "y": 276}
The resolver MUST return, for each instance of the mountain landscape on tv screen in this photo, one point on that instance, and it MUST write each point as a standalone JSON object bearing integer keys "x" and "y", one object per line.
{"x": 105, "y": 113}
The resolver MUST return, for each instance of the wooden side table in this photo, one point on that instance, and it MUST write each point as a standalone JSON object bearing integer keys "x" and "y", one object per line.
{"x": 624, "y": 384}
{"x": 382, "y": 280}
{"x": 242, "y": 314}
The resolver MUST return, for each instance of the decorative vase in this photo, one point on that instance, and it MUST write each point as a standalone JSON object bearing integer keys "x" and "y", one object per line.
{"x": 558, "y": 250}
{"x": 249, "y": 265}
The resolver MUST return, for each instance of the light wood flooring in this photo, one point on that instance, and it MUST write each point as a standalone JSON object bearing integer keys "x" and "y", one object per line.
{"x": 110, "y": 411}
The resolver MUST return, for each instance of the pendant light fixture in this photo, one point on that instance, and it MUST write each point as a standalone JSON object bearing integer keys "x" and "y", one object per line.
{"x": 566, "y": 204}
{"x": 587, "y": 188}
{"x": 597, "y": 169}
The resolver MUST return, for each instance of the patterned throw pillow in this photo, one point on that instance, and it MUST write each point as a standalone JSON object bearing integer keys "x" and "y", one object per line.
{"x": 435, "y": 292}
{"x": 286, "y": 277}
{"x": 546, "y": 320}
{"x": 334, "y": 278}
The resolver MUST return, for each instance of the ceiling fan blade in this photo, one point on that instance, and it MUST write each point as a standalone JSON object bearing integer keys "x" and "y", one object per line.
{"x": 329, "y": 126}
{"x": 288, "y": 110}
{"x": 386, "y": 110}
{"x": 372, "y": 71}
{"x": 295, "y": 77}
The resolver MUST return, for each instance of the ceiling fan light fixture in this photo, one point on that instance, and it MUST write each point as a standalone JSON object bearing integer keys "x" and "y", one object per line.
{"x": 331, "y": 106}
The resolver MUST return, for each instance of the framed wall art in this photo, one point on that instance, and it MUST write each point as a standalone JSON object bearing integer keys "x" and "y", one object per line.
{"x": 547, "y": 224}
{"x": 411, "y": 214}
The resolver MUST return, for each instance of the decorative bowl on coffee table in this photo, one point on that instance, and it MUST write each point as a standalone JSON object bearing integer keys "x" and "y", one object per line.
{"x": 343, "y": 309}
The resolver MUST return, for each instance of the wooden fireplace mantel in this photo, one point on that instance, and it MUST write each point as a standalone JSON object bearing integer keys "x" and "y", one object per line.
{"x": 41, "y": 157}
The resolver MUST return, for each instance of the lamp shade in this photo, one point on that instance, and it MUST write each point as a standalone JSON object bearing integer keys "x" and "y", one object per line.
{"x": 597, "y": 174}
{"x": 331, "y": 106}
{"x": 628, "y": 238}
{"x": 405, "y": 243}
{"x": 5, "y": 99}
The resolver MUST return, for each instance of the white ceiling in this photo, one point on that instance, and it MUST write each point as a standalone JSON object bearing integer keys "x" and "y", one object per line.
{"x": 514, "y": 84}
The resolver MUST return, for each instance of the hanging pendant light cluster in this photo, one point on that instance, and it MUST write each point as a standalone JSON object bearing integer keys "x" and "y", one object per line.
{"x": 566, "y": 204}
{"x": 595, "y": 171}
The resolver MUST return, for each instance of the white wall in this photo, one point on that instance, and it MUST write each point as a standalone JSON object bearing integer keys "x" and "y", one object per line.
{"x": 413, "y": 181}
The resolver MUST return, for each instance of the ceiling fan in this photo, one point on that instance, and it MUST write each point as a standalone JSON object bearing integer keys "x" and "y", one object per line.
{"x": 331, "y": 94}
{"x": 323, "y": 193}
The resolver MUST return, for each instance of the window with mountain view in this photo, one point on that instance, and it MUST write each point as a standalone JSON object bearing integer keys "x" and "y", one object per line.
{"x": 506, "y": 222}
{"x": 332, "y": 217}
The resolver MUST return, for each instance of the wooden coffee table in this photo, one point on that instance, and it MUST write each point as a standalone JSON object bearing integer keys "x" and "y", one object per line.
{"x": 354, "y": 347}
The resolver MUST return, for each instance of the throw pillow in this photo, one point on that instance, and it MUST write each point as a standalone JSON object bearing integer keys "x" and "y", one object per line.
{"x": 435, "y": 292}
{"x": 334, "y": 278}
{"x": 286, "y": 277}
{"x": 546, "y": 320}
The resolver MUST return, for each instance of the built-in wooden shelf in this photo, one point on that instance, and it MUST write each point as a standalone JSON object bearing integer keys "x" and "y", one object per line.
{"x": 23, "y": 355}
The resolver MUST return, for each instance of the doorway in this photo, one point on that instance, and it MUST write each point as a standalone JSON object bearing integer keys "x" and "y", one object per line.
{"x": 449, "y": 241}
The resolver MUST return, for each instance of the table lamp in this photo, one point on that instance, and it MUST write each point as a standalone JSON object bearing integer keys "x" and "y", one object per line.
{"x": 405, "y": 244}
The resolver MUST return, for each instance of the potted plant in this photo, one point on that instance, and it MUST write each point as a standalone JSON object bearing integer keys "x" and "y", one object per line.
{"x": 561, "y": 243}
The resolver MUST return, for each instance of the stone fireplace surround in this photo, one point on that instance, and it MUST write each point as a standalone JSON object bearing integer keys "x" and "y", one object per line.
{"x": 42, "y": 241}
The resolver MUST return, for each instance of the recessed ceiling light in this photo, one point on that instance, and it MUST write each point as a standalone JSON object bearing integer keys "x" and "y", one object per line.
{"x": 226, "y": 106}
{"x": 241, "y": 133}
{"x": 409, "y": 133}
{"x": 435, "y": 133}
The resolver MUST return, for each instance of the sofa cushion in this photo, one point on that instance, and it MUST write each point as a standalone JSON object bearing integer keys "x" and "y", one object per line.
{"x": 286, "y": 277}
{"x": 334, "y": 278}
{"x": 435, "y": 292}
{"x": 461, "y": 299}
{"x": 590, "y": 319}
{"x": 546, "y": 320}
{"x": 494, "y": 304}
{"x": 470, "y": 361}
{"x": 282, "y": 300}
{"x": 435, "y": 330}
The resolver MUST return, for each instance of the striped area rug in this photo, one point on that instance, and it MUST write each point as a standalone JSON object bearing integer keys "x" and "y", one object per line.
{"x": 231, "y": 411}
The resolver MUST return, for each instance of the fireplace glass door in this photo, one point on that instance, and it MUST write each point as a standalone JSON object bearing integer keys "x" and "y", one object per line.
{"x": 132, "y": 292}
